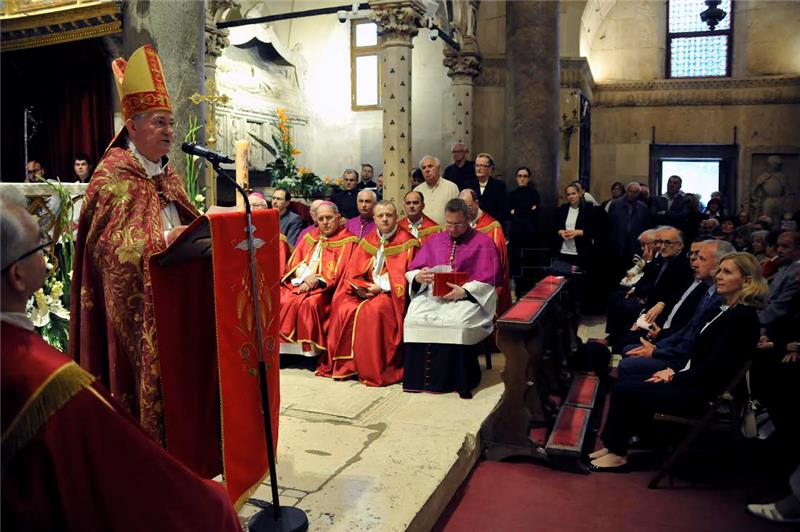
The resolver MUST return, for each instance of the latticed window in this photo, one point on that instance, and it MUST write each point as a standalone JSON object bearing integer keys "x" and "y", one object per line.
{"x": 694, "y": 51}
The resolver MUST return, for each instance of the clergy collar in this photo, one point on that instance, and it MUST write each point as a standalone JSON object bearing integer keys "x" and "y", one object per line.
{"x": 463, "y": 238}
{"x": 388, "y": 237}
{"x": 474, "y": 222}
{"x": 418, "y": 222}
{"x": 19, "y": 319}
{"x": 149, "y": 166}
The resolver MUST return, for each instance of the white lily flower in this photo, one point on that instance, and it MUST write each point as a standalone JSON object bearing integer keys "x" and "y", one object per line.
{"x": 199, "y": 198}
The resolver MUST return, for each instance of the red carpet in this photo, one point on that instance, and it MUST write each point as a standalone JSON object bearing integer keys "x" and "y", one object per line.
{"x": 523, "y": 496}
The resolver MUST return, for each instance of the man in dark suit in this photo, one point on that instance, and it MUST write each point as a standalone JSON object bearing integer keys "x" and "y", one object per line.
{"x": 367, "y": 171}
{"x": 627, "y": 219}
{"x": 462, "y": 169}
{"x": 674, "y": 349}
{"x": 674, "y": 207}
{"x": 672, "y": 278}
{"x": 345, "y": 199}
{"x": 491, "y": 192}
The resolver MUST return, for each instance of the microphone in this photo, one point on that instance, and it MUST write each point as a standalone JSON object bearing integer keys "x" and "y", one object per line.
{"x": 193, "y": 149}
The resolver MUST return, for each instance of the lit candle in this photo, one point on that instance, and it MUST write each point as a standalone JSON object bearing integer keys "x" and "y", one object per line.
{"x": 242, "y": 165}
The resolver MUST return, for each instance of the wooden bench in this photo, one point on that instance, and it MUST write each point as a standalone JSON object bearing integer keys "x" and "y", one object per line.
{"x": 538, "y": 325}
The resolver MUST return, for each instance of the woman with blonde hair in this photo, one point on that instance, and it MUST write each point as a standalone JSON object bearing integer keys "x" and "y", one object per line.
{"x": 720, "y": 349}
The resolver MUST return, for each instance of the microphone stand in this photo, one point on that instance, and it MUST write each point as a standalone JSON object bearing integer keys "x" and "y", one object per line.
{"x": 272, "y": 517}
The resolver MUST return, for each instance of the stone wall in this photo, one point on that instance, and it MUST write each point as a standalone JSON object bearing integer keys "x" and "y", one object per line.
{"x": 330, "y": 135}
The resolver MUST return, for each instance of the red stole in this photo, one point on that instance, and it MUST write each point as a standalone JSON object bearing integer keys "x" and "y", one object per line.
{"x": 66, "y": 444}
{"x": 377, "y": 322}
{"x": 492, "y": 228}
{"x": 429, "y": 227}
{"x": 304, "y": 317}
{"x": 112, "y": 329}
{"x": 284, "y": 252}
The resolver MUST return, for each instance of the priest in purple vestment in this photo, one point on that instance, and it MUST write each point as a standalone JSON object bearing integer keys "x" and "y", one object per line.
{"x": 442, "y": 334}
{"x": 363, "y": 224}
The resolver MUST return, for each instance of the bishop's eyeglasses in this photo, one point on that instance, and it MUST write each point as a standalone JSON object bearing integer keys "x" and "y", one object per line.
{"x": 43, "y": 243}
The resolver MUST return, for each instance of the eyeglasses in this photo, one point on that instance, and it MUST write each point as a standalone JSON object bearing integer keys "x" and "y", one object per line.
{"x": 455, "y": 224}
{"x": 42, "y": 244}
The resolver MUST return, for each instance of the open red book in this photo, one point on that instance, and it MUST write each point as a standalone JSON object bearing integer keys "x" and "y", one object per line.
{"x": 359, "y": 283}
{"x": 440, "y": 280}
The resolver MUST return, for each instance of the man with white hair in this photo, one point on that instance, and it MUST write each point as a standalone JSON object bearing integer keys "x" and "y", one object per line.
{"x": 312, "y": 211}
{"x": 64, "y": 436}
{"x": 363, "y": 224}
{"x": 135, "y": 206}
{"x": 437, "y": 191}
{"x": 462, "y": 169}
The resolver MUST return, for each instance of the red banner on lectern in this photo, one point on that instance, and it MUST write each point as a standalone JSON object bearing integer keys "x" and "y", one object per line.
{"x": 206, "y": 330}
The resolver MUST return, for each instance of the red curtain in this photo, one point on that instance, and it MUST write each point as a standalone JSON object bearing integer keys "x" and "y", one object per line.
{"x": 68, "y": 86}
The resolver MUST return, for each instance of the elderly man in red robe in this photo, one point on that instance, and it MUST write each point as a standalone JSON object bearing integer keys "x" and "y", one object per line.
{"x": 67, "y": 444}
{"x": 416, "y": 222}
{"x": 314, "y": 271}
{"x": 134, "y": 207}
{"x": 366, "y": 329}
{"x": 487, "y": 225}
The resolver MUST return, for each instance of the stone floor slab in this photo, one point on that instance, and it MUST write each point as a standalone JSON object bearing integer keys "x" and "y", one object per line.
{"x": 360, "y": 458}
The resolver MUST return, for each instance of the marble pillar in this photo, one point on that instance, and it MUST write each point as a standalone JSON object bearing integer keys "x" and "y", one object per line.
{"x": 398, "y": 22}
{"x": 532, "y": 100}
{"x": 462, "y": 67}
{"x": 177, "y": 30}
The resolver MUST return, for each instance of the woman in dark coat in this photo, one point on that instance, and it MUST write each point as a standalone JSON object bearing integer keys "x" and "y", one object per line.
{"x": 719, "y": 351}
{"x": 575, "y": 230}
{"x": 524, "y": 204}
{"x": 575, "y": 243}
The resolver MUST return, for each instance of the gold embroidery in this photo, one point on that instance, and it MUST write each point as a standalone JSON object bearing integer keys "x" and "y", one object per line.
{"x": 399, "y": 290}
{"x": 86, "y": 298}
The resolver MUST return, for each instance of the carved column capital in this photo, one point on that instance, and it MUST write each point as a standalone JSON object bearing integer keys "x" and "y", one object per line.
{"x": 216, "y": 39}
{"x": 467, "y": 62}
{"x": 397, "y": 20}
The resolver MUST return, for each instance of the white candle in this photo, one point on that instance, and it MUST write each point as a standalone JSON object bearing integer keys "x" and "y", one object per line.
{"x": 242, "y": 166}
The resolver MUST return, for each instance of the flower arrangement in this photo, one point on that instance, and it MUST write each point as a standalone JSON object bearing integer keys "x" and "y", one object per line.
{"x": 283, "y": 172}
{"x": 192, "y": 171}
{"x": 48, "y": 308}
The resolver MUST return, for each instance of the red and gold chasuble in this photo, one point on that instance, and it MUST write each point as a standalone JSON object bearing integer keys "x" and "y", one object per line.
{"x": 492, "y": 228}
{"x": 365, "y": 335}
{"x": 429, "y": 227}
{"x": 112, "y": 326}
{"x": 304, "y": 317}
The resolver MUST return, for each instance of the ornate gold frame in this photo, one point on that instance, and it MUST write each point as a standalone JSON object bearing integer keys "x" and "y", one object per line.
{"x": 34, "y": 23}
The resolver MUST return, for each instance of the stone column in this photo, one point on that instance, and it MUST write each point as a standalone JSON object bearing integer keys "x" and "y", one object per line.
{"x": 532, "y": 99}
{"x": 462, "y": 67}
{"x": 398, "y": 22}
{"x": 177, "y": 30}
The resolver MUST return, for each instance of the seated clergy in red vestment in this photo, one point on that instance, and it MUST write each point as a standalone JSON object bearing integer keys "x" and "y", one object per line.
{"x": 314, "y": 271}
{"x": 416, "y": 222}
{"x": 366, "y": 328}
{"x": 483, "y": 222}
{"x": 441, "y": 334}
{"x": 134, "y": 207}
{"x": 72, "y": 458}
